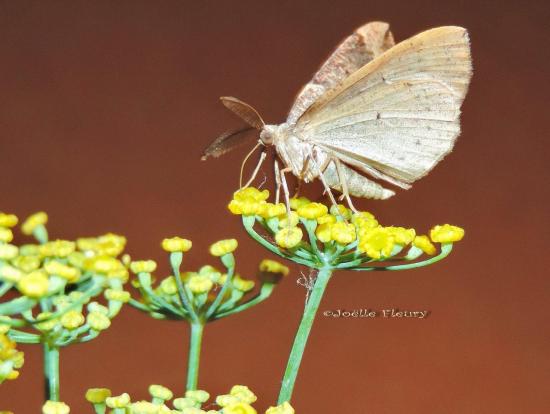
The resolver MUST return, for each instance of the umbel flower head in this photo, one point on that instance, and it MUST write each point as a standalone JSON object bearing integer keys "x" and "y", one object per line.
{"x": 239, "y": 400}
{"x": 317, "y": 236}
{"x": 54, "y": 285}
{"x": 206, "y": 294}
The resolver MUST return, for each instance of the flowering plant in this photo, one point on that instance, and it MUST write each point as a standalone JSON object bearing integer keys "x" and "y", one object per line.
{"x": 51, "y": 289}
{"x": 203, "y": 296}
{"x": 336, "y": 238}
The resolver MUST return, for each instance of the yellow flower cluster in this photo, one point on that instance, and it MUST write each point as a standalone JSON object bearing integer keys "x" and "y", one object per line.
{"x": 336, "y": 226}
{"x": 199, "y": 290}
{"x": 10, "y": 359}
{"x": 239, "y": 400}
{"x": 64, "y": 276}
{"x": 38, "y": 270}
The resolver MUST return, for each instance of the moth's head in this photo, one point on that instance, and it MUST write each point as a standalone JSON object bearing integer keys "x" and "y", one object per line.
{"x": 268, "y": 134}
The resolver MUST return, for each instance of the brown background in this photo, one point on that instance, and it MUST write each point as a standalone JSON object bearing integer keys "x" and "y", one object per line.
{"x": 105, "y": 108}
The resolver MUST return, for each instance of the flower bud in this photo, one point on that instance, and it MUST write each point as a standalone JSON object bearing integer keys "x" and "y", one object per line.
{"x": 223, "y": 247}
{"x": 176, "y": 244}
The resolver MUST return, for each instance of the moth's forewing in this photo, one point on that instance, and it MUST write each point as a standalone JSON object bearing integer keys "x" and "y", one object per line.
{"x": 399, "y": 114}
{"x": 355, "y": 51}
{"x": 228, "y": 141}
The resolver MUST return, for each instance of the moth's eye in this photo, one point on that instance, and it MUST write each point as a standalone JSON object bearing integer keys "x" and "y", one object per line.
{"x": 266, "y": 137}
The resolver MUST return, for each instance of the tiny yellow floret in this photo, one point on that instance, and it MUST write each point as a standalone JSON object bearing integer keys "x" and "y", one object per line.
{"x": 269, "y": 210}
{"x": 8, "y": 251}
{"x": 146, "y": 407}
{"x": 272, "y": 266}
{"x": 119, "y": 401}
{"x": 364, "y": 220}
{"x": 312, "y": 211}
{"x": 291, "y": 220}
{"x": 199, "y": 284}
{"x": 32, "y": 222}
{"x": 296, "y": 203}
{"x": 226, "y": 399}
{"x": 324, "y": 232}
{"x": 97, "y": 395}
{"x": 239, "y": 408}
{"x": 326, "y": 219}
{"x": 340, "y": 210}
{"x": 424, "y": 244}
{"x": 251, "y": 193}
{"x": 6, "y": 235}
{"x": 117, "y": 295}
{"x": 246, "y": 207}
{"x": 243, "y": 393}
{"x": 343, "y": 233}
{"x": 223, "y": 247}
{"x": 160, "y": 392}
{"x": 8, "y": 220}
{"x": 284, "y": 408}
{"x": 168, "y": 286}
{"x": 72, "y": 320}
{"x": 34, "y": 284}
{"x": 57, "y": 248}
{"x": 402, "y": 235}
{"x": 184, "y": 403}
{"x": 54, "y": 267}
{"x": 198, "y": 395}
{"x": 10, "y": 274}
{"x": 143, "y": 266}
{"x": 98, "y": 321}
{"x": 242, "y": 284}
{"x": 55, "y": 407}
{"x": 446, "y": 233}
{"x": 289, "y": 237}
{"x": 176, "y": 244}
{"x": 377, "y": 243}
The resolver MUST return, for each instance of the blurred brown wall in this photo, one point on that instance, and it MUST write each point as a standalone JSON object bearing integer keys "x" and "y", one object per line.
{"x": 105, "y": 108}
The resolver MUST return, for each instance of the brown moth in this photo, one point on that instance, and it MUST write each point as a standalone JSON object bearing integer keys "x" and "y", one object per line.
{"x": 374, "y": 110}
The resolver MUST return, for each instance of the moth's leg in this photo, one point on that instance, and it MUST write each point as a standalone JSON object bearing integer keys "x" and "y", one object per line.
{"x": 344, "y": 184}
{"x": 302, "y": 175}
{"x": 297, "y": 188}
{"x": 327, "y": 188}
{"x": 277, "y": 181}
{"x": 263, "y": 155}
{"x": 285, "y": 189}
{"x": 244, "y": 163}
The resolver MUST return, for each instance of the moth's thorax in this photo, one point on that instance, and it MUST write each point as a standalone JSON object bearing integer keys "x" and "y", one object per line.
{"x": 293, "y": 150}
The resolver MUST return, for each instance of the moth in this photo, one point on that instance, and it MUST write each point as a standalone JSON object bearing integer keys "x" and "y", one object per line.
{"x": 375, "y": 113}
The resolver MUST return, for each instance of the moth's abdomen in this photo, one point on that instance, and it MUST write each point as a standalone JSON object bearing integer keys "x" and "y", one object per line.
{"x": 358, "y": 185}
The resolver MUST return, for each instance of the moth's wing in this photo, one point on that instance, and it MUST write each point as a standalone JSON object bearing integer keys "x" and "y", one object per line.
{"x": 355, "y": 51}
{"x": 398, "y": 116}
{"x": 228, "y": 141}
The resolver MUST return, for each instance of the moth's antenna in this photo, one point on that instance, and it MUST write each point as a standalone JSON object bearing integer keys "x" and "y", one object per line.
{"x": 244, "y": 163}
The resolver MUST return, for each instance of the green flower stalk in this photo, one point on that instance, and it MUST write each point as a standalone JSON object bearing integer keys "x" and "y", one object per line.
{"x": 326, "y": 240}
{"x": 52, "y": 289}
{"x": 202, "y": 296}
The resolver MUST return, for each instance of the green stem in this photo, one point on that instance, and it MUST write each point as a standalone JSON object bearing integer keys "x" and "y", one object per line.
{"x": 195, "y": 342}
{"x": 302, "y": 335}
{"x": 51, "y": 372}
